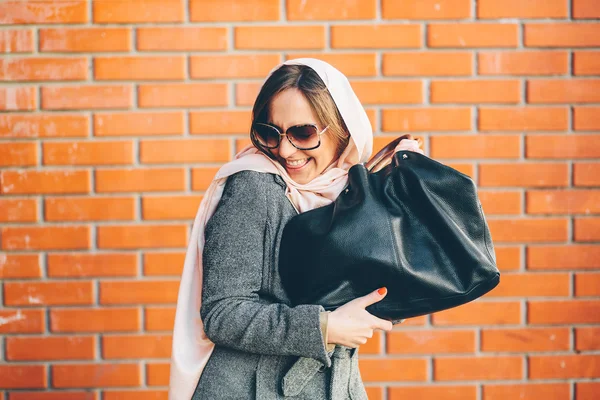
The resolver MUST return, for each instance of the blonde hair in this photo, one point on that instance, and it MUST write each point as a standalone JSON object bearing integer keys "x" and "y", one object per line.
{"x": 308, "y": 82}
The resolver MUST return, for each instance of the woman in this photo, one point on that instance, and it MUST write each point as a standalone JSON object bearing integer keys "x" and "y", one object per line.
{"x": 308, "y": 129}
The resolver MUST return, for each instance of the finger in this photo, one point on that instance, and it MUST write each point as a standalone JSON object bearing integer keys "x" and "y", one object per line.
{"x": 373, "y": 297}
{"x": 382, "y": 324}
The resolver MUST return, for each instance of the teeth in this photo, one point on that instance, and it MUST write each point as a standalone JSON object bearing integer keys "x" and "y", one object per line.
{"x": 296, "y": 163}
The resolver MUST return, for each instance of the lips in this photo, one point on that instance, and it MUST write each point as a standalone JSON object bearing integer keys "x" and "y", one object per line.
{"x": 296, "y": 164}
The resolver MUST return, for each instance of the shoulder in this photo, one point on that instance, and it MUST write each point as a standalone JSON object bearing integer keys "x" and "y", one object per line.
{"x": 252, "y": 183}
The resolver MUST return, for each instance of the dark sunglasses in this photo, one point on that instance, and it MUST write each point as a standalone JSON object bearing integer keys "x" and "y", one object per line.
{"x": 302, "y": 137}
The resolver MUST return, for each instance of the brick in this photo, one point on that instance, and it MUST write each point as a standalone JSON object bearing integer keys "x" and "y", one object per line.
{"x": 524, "y": 175}
{"x": 382, "y": 370}
{"x": 587, "y": 229}
{"x": 508, "y": 258}
{"x": 232, "y": 65}
{"x": 563, "y": 257}
{"x": 374, "y": 392}
{"x": 426, "y": 9}
{"x": 563, "y": 91}
{"x": 182, "y": 95}
{"x": 135, "y": 394}
{"x": 472, "y": 35}
{"x": 137, "y": 11}
{"x": 532, "y": 285}
{"x": 140, "y": 180}
{"x": 75, "y": 265}
{"x": 170, "y": 263}
{"x": 18, "y": 154}
{"x": 501, "y": 202}
{"x": 157, "y": 374}
{"x": 586, "y": 390}
{"x": 587, "y": 284}
{"x": 388, "y": 92}
{"x": 475, "y": 146}
{"x": 48, "y": 293}
{"x": 59, "y": 395}
{"x": 170, "y": 207}
{"x": 23, "y": 376}
{"x": 441, "y": 392}
{"x": 16, "y": 40}
{"x": 95, "y": 375}
{"x": 477, "y": 368}
{"x": 86, "y": 97}
{"x": 529, "y": 119}
{"x": 350, "y": 64}
{"x": 139, "y": 123}
{"x": 44, "y": 182}
{"x": 586, "y": 63}
{"x": 43, "y": 69}
{"x": 141, "y": 236}
{"x": 375, "y": 36}
{"x": 89, "y": 209}
{"x": 587, "y": 338}
{"x": 136, "y": 346}
{"x": 430, "y": 342}
{"x": 184, "y": 151}
{"x": 527, "y": 391}
{"x": 46, "y": 238}
{"x": 220, "y": 122}
{"x": 19, "y": 266}
{"x": 427, "y": 64}
{"x": 373, "y": 345}
{"x": 18, "y": 98}
{"x": 585, "y": 9}
{"x": 86, "y": 40}
{"x": 563, "y": 202}
{"x": 41, "y": 12}
{"x": 236, "y": 10}
{"x": 520, "y": 9}
{"x": 586, "y": 118}
{"x": 563, "y": 312}
{"x": 525, "y": 339}
{"x": 562, "y": 35}
{"x": 88, "y": 153}
{"x": 523, "y": 63}
{"x": 529, "y": 230}
{"x": 50, "y": 348}
{"x": 563, "y": 146}
{"x": 22, "y": 321}
{"x": 95, "y": 320}
{"x": 315, "y": 10}
{"x": 189, "y": 38}
{"x": 43, "y": 125}
{"x": 586, "y": 174}
{"x": 138, "y": 292}
{"x": 139, "y": 68}
{"x": 564, "y": 366}
{"x": 246, "y": 92}
{"x": 480, "y": 313}
{"x": 290, "y": 37}
{"x": 464, "y": 91}
{"x": 202, "y": 177}
{"x": 159, "y": 318}
{"x": 426, "y": 119}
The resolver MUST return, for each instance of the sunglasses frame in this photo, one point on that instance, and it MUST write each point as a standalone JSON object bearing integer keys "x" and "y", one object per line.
{"x": 255, "y": 139}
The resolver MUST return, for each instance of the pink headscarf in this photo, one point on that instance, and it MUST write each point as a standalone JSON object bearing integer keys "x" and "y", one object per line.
{"x": 191, "y": 348}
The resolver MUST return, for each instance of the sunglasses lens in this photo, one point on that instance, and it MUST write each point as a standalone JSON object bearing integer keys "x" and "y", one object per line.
{"x": 304, "y": 136}
{"x": 266, "y": 135}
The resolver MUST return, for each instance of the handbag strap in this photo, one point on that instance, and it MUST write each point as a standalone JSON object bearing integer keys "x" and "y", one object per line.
{"x": 384, "y": 156}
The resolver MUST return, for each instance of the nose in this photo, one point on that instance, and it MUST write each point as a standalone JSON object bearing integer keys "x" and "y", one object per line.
{"x": 286, "y": 149}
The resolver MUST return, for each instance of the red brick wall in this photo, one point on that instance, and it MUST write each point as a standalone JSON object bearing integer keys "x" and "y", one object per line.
{"x": 115, "y": 114}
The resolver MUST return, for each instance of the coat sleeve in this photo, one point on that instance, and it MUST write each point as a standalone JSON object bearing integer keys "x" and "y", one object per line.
{"x": 232, "y": 312}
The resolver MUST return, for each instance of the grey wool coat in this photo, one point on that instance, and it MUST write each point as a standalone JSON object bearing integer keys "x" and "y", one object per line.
{"x": 264, "y": 348}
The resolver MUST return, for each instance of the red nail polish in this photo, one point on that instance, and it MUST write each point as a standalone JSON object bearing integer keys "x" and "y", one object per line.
{"x": 382, "y": 291}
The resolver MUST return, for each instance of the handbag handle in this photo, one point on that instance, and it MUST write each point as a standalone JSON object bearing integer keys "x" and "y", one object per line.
{"x": 384, "y": 156}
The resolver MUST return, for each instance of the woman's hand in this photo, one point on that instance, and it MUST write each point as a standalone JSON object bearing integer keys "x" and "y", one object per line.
{"x": 409, "y": 144}
{"x": 351, "y": 325}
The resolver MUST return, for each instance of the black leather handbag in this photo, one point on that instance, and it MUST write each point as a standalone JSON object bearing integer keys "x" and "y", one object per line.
{"x": 405, "y": 222}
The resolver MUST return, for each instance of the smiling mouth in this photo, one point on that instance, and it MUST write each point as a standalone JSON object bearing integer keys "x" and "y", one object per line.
{"x": 297, "y": 164}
